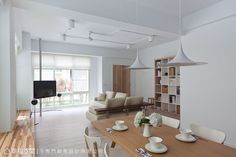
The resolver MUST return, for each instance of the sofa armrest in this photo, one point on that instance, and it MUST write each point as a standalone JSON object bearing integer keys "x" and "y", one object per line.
{"x": 101, "y": 97}
{"x": 134, "y": 100}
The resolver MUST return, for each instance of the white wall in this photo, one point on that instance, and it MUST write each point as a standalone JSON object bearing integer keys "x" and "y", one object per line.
{"x": 24, "y": 74}
{"x": 7, "y": 69}
{"x": 207, "y": 91}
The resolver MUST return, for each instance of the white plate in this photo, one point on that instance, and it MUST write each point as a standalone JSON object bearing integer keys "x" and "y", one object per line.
{"x": 184, "y": 139}
{"x": 120, "y": 129}
{"x": 161, "y": 149}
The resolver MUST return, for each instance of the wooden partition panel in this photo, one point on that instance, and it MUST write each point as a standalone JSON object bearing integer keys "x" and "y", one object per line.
{"x": 121, "y": 79}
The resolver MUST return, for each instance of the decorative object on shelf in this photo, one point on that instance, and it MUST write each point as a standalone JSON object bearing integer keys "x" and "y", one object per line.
{"x": 154, "y": 119}
{"x": 181, "y": 59}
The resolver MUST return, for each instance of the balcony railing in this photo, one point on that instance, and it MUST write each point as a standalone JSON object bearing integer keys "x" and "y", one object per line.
{"x": 67, "y": 100}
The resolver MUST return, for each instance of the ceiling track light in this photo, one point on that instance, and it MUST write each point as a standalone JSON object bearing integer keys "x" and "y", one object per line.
{"x": 140, "y": 33}
{"x": 103, "y": 34}
{"x": 63, "y": 37}
{"x": 150, "y": 38}
{"x": 128, "y": 46}
{"x": 89, "y": 37}
{"x": 71, "y": 23}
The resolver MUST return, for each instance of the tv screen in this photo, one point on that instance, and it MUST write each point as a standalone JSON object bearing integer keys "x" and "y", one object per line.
{"x": 44, "y": 89}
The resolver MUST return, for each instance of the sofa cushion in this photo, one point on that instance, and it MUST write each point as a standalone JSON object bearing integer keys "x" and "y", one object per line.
{"x": 135, "y": 100}
{"x": 97, "y": 103}
{"x": 110, "y": 94}
{"x": 120, "y": 95}
{"x": 115, "y": 102}
{"x": 101, "y": 97}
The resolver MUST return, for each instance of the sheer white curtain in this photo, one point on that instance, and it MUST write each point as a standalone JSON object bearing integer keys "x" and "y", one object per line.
{"x": 57, "y": 61}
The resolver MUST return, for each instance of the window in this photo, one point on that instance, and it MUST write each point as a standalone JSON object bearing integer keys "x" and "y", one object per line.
{"x": 64, "y": 82}
{"x": 80, "y": 83}
{"x": 71, "y": 74}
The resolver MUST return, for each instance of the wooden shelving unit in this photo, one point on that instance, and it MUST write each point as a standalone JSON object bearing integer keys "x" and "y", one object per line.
{"x": 167, "y": 86}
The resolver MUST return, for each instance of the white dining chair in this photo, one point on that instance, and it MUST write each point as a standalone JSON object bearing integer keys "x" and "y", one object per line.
{"x": 171, "y": 122}
{"x": 207, "y": 133}
{"x": 114, "y": 152}
{"x": 92, "y": 144}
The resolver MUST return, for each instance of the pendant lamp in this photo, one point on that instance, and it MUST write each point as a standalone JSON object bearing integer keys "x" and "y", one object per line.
{"x": 181, "y": 59}
{"x": 138, "y": 65}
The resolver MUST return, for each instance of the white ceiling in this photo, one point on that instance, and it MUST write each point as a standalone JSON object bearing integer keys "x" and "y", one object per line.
{"x": 49, "y": 25}
{"x": 51, "y": 28}
{"x": 166, "y": 6}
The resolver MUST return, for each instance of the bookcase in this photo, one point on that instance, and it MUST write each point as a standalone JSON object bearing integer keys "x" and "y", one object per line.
{"x": 167, "y": 86}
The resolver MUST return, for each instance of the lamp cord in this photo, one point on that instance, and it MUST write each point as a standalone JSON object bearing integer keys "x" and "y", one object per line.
{"x": 136, "y": 21}
{"x": 180, "y": 19}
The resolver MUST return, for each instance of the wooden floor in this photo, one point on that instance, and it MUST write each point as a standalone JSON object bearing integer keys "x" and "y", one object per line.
{"x": 21, "y": 141}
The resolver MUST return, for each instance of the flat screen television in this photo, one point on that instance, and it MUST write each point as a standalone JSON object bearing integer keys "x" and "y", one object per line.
{"x": 44, "y": 89}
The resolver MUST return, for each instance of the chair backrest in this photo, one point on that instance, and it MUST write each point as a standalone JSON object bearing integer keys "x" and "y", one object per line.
{"x": 207, "y": 133}
{"x": 92, "y": 143}
{"x": 106, "y": 150}
{"x": 174, "y": 123}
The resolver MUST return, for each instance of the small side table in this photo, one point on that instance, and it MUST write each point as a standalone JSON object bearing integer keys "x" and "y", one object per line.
{"x": 151, "y": 100}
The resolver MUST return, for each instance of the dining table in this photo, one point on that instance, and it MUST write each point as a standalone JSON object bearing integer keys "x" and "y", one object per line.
{"x": 132, "y": 139}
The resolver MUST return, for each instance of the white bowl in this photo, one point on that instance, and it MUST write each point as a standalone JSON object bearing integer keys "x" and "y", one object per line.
{"x": 120, "y": 123}
{"x": 186, "y": 132}
{"x": 155, "y": 142}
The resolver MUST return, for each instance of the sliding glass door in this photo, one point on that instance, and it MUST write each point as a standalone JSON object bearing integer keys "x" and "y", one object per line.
{"x": 73, "y": 84}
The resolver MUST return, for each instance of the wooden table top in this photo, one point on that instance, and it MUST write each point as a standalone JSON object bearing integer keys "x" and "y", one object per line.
{"x": 133, "y": 139}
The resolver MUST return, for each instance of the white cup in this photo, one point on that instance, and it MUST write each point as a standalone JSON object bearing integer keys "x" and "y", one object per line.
{"x": 155, "y": 142}
{"x": 186, "y": 133}
{"x": 120, "y": 124}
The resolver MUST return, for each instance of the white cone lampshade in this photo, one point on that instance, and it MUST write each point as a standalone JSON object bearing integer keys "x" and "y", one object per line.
{"x": 182, "y": 60}
{"x": 138, "y": 65}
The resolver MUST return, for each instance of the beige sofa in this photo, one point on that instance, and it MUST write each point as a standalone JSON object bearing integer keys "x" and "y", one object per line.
{"x": 111, "y": 104}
